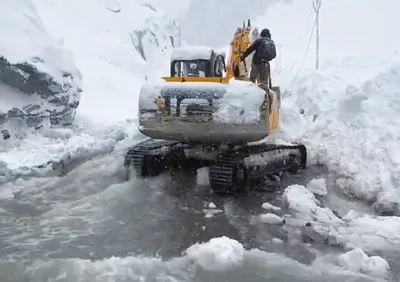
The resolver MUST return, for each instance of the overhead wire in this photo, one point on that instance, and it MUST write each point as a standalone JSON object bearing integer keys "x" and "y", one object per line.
{"x": 308, "y": 45}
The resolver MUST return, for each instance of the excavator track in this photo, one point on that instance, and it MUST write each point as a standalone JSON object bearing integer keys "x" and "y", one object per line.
{"x": 152, "y": 156}
{"x": 234, "y": 171}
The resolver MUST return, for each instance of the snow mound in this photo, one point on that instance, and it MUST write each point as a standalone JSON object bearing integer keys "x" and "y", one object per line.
{"x": 318, "y": 186}
{"x": 346, "y": 111}
{"x": 49, "y": 151}
{"x": 38, "y": 78}
{"x": 219, "y": 254}
{"x": 116, "y": 51}
{"x": 368, "y": 232}
{"x": 355, "y": 132}
{"x": 356, "y": 261}
{"x": 219, "y": 259}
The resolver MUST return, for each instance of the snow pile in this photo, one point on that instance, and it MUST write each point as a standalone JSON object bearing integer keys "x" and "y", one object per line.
{"x": 116, "y": 45}
{"x": 219, "y": 254}
{"x": 49, "y": 151}
{"x": 318, "y": 186}
{"x": 240, "y": 104}
{"x": 116, "y": 51}
{"x": 356, "y": 261}
{"x": 219, "y": 259}
{"x": 346, "y": 112}
{"x": 38, "y": 78}
{"x": 368, "y": 232}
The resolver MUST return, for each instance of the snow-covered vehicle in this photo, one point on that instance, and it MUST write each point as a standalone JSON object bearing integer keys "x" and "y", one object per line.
{"x": 206, "y": 114}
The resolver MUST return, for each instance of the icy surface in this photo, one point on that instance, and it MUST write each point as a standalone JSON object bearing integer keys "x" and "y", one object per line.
{"x": 47, "y": 83}
{"x": 191, "y": 53}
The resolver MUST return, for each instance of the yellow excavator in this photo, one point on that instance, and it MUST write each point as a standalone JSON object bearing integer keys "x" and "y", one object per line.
{"x": 207, "y": 113}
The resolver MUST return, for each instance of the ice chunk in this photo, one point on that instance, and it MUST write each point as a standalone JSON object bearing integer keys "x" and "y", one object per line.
{"x": 268, "y": 206}
{"x": 306, "y": 206}
{"x": 358, "y": 261}
{"x": 219, "y": 254}
{"x": 202, "y": 177}
{"x": 318, "y": 186}
{"x": 271, "y": 218}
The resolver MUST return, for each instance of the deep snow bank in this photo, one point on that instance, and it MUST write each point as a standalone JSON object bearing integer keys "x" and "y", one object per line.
{"x": 38, "y": 79}
{"x": 117, "y": 44}
{"x": 350, "y": 106}
{"x": 354, "y": 232}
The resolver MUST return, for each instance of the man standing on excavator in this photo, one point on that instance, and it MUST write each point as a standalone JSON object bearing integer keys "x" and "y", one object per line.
{"x": 265, "y": 51}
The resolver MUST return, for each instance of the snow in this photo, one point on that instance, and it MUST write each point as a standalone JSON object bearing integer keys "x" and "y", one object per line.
{"x": 368, "y": 232}
{"x": 215, "y": 260}
{"x": 271, "y": 218}
{"x": 348, "y": 123}
{"x": 239, "y": 104}
{"x": 20, "y": 25}
{"x": 318, "y": 186}
{"x": 219, "y": 254}
{"x": 356, "y": 261}
{"x": 270, "y": 207}
{"x": 345, "y": 113}
{"x": 191, "y": 53}
{"x": 114, "y": 51}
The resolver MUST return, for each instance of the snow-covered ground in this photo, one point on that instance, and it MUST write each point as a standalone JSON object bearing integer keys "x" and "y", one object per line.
{"x": 345, "y": 113}
{"x": 116, "y": 45}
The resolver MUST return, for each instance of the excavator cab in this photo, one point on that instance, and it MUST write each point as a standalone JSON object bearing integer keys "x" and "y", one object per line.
{"x": 197, "y": 62}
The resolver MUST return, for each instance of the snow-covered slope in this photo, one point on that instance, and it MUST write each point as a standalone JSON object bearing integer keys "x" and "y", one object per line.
{"x": 351, "y": 104}
{"x": 116, "y": 45}
{"x": 37, "y": 75}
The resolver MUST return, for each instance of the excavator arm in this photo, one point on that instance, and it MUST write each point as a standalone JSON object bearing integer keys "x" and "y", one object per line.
{"x": 241, "y": 41}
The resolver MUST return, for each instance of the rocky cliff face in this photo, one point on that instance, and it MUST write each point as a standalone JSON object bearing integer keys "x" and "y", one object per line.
{"x": 38, "y": 79}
